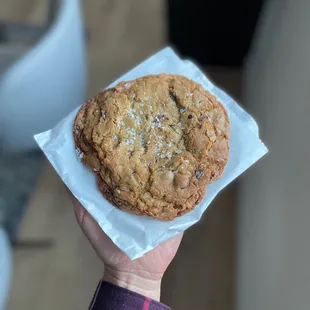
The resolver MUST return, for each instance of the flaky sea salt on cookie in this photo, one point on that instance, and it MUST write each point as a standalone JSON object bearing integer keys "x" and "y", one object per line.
{"x": 155, "y": 144}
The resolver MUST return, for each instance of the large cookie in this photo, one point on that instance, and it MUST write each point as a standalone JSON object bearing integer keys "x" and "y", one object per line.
{"x": 155, "y": 144}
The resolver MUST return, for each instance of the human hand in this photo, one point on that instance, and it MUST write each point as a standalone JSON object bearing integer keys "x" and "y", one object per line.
{"x": 142, "y": 275}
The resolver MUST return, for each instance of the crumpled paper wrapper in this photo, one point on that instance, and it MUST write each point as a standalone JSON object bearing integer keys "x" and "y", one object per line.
{"x": 136, "y": 235}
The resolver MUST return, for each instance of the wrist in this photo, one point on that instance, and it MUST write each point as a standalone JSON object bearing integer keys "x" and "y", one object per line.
{"x": 135, "y": 283}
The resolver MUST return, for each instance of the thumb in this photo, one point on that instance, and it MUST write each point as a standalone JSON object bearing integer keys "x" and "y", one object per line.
{"x": 79, "y": 211}
{"x": 98, "y": 239}
{"x": 86, "y": 222}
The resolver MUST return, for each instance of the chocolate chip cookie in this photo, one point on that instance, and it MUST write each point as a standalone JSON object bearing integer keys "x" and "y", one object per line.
{"x": 155, "y": 144}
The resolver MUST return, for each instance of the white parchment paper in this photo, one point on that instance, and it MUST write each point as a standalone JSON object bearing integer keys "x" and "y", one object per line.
{"x": 136, "y": 235}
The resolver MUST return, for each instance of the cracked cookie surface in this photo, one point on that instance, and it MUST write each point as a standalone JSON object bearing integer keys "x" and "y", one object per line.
{"x": 155, "y": 144}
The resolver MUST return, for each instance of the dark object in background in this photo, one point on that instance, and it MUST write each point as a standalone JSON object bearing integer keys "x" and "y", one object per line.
{"x": 18, "y": 175}
{"x": 213, "y": 32}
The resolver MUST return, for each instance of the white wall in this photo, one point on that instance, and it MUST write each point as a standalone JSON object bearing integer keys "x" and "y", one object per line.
{"x": 274, "y": 213}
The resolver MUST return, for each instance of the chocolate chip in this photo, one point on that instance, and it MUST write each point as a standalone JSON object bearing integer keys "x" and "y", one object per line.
{"x": 104, "y": 115}
{"x": 190, "y": 116}
{"x": 157, "y": 120}
{"x": 199, "y": 173}
{"x": 173, "y": 96}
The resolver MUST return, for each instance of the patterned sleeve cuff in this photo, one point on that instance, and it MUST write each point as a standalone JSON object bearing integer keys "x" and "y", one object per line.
{"x": 110, "y": 296}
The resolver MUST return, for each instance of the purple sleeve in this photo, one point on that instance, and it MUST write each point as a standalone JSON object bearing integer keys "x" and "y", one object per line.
{"x": 112, "y": 297}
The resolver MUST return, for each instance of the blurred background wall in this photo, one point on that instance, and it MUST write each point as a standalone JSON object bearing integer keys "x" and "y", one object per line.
{"x": 274, "y": 200}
